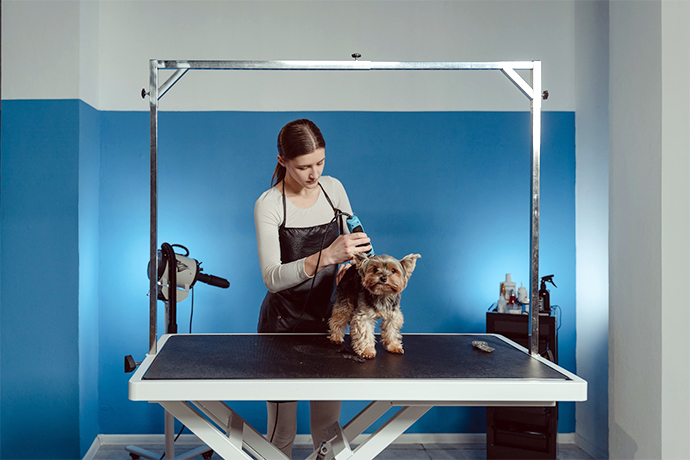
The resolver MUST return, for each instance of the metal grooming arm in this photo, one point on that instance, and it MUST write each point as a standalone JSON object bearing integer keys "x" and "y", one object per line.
{"x": 532, "y": 91}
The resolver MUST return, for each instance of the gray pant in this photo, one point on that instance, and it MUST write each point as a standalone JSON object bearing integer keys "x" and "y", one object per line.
{"x": 282, "y": 422}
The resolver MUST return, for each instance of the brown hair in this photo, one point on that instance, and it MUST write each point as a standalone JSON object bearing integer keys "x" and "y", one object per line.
{"x": 297, "y": 138}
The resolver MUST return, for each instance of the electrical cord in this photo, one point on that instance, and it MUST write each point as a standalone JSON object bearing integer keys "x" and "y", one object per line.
{"x": 174, "y": 440}
{"x": 191, "y": 313}
{"x": 338, "y": 214}
{"x": 559, "y": 317}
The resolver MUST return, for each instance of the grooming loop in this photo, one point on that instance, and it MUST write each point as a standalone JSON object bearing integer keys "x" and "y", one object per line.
{"x": 533, "y": 91}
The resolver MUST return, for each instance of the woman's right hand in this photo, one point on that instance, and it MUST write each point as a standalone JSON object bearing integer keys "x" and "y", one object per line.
{"x": 344, "y": 247}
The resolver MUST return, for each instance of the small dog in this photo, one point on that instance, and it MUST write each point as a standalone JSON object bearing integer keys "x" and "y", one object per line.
{"x": 368, "y": 291}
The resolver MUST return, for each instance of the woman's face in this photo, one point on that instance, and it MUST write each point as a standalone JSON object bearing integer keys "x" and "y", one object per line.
{"x": 305, "y": 170}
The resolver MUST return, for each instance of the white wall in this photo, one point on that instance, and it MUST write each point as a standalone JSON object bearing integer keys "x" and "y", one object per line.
{"x": 635, "y": 241}
{"x": 40, "y": 68}
{"x": 50, "y": 49}
{"x": 591, "y": 191}
{"x": 675, "y": 229}
{"x": 649, "y": 227}
{"x": 89, "y": 51}
{"x": 132, "y": 32}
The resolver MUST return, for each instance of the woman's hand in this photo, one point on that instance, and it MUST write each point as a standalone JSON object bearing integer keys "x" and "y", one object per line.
{"x": 341, "y": 250}
{"x": 344, "y": 247}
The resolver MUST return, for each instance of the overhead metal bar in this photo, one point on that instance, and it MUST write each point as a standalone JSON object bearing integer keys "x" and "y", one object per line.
{"x": 179, "y": 73}
{"x": 531, "y": 90}
{"x": 509, "y": 68}
{"x": 342, "y": 65}
{"x": 522, "y": 85}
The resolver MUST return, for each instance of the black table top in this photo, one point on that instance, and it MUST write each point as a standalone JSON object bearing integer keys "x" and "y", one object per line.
{"x": 306, "y": 356}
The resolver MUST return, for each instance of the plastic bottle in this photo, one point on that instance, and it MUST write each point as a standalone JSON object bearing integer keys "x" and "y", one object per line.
{"x": 522, "y": 294}
{"x": 501, "y": 305}
{"x": 510, "y": 288}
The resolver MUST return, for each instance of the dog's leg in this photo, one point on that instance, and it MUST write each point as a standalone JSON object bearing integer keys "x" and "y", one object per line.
{"x": 390, "y": 332}
{"x": 362, "y": 332}
{"x": 337, "y": 323}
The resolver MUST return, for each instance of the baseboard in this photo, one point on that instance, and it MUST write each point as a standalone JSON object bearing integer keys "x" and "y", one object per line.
{"x": 136, "y": 439}
{"x": 91, "y": 453}
{"x": 588, "y": 447}
{"x": 415, "y": 438}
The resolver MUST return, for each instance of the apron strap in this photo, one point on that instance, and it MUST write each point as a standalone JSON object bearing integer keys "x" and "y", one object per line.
{"x": 336, "y": 211}
{"x": 284, "y": 207}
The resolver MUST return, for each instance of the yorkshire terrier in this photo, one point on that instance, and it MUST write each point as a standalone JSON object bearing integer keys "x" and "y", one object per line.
{"x": 368, "y": 291}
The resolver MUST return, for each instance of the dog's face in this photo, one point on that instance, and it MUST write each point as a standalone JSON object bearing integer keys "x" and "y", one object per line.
{"x": 385, "y": 275}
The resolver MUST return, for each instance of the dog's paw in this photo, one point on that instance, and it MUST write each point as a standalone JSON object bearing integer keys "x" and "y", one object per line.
{"x": 368, "y": 353}
{"x": 336, "y": 339}
{"x": 396, "y": 349}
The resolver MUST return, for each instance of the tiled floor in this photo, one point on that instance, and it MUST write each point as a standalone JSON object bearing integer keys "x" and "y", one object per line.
{"x": 395, "y": 451}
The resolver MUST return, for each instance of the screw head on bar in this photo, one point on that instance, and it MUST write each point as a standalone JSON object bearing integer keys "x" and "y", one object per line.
{"x": 356, "y": 56}
{"x": 144, "y": 93}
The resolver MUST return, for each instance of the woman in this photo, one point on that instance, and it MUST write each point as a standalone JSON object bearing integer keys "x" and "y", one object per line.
{"x": 301, "y": 239}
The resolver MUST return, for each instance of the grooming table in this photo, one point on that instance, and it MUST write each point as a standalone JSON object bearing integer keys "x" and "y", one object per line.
{"x": 192, "y": 375}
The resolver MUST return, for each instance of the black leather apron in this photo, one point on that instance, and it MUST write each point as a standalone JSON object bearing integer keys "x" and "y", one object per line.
{"x": 296, "y": 309}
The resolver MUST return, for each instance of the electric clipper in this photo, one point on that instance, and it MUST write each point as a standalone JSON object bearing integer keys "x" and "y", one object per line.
{"x": 354, "y": 225}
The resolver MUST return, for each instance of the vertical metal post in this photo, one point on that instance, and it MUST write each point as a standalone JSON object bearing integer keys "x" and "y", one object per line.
{"x": 535, "y": 110}
{"x": 153, "y": 264}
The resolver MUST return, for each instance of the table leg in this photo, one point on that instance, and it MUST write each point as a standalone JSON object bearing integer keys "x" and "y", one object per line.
{"x": 338, "y": 447}
{"x": 232, "y": 423}
{"x": 389, "y": 432}
{"x": 238, "y": 433}
{"x": 365, "y": 419}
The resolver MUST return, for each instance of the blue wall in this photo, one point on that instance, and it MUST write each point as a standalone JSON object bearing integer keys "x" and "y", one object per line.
{"x": 89, "y": 173}
{"x": 451, "y": 186}
{"x": 40, "y": 279}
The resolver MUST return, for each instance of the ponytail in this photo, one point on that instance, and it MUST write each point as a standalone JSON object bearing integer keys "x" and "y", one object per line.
{"x": 278, "y": 175}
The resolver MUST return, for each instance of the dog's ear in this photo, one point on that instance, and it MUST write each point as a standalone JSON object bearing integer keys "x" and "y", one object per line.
{"x": 361, "y": 262}
{"x": 359, "y": 258}
{"x": 409, "y": 262}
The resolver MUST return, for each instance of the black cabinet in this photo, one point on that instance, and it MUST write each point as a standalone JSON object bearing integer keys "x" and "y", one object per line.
{"x": 523, "y": 432}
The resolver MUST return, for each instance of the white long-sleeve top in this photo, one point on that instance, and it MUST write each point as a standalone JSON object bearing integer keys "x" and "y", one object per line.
{"x": 268, "y": 216}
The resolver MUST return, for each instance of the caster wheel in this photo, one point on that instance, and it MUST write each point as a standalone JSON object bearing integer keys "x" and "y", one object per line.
{"x": 207, "y": 455}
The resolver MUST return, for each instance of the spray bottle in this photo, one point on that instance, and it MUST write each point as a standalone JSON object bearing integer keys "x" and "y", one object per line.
{"x": 544, "y": 295}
